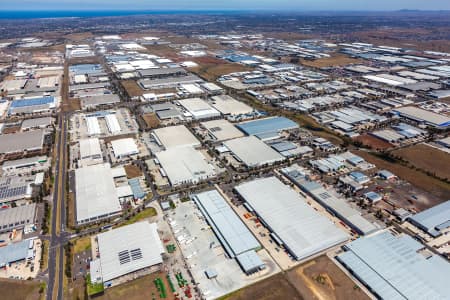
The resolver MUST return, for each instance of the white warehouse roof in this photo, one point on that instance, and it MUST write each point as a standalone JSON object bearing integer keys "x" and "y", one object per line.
{"x": 303, "y": 231}
{"x": 252, "y": 151}
{"x": 128, "y": 249}
{"x": 96, "y": 195}
{"x": 90, "y": 148}
{"x": 227, "y": 105}
{"x": 124, "y": 147}
{"x": 185, "y": 165}
{"x": 174, "y": 136}
{"x": 221, "y": 130}
{"x": 199, "y": 109}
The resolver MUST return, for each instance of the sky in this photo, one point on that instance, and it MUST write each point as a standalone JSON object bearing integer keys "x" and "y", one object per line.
{"x": 286, "y": 5}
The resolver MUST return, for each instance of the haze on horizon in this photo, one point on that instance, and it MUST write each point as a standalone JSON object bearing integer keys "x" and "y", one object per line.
{"x": 190, "y": 5}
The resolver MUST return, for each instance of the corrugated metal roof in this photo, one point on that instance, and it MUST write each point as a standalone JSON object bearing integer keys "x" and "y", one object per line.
{"x": 231, "y": 231}
{"x": 14, "y": 252}
{"x": 303, "y": 231}
{"x": 267, "y": 125}
{"x": 393, "y": 269}
{"x": 431, "y": 218}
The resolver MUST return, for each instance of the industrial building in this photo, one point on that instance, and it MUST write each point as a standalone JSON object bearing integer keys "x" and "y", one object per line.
{"x": 229, "y": 106}
{"x": 38, "y": 123}
{"x": 99, "y": 100}
{"x": 32, "y": 105}
{"x": 423, "y": 116}
{"x": 17, "y": 217}
{"x": 16, "y": 252}
{"x": 184, "y": 165}
{"x": 90, "y": 152}
{"x": 22, "y": 142}
{"x": 397, "y": 267}
{"x": 35, "y": 163}
{"x": 293, "y": 223}
{"x": 199, "y": 109}
{"x": 175, "y": 136}
{"x": 235, "y": 237}
{"x": 13, "y": 188}
{"x": 337, "y": 206}
{"x": 125, "y": 250}
{"x": 95, "y": 193}
{"x": 124, "y": 147}
{"x": 435, "y": 220}
{"x": 267, "y": 128}
{"x": 221, "y": 130}
{"x": 252, "y": 152}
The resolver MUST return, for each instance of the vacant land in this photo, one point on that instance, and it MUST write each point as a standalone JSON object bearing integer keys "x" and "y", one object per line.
{"x": 434, "y": 186}
{"x": 132, "y": 88}
{"x": 373, "y": 142}
{"x": 333, "y": 61}
{"x": 82, "y": 244}
{"x": 151, "y": 120}
{"x": 132, "y": 171}
{"x": 19, "y": 290}
{"x": 320, "y": 278}
{"x": 273, "y": 288}
{"x": 211, "y": 68}
{"x": 141, "y": 288}
{"x": 427, "y": 158}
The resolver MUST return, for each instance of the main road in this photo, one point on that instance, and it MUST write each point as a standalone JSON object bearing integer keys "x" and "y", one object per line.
{"x": 58, "y": 234}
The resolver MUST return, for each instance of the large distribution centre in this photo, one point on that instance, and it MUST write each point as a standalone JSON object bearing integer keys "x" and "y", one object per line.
{"x": 295, "y": 224}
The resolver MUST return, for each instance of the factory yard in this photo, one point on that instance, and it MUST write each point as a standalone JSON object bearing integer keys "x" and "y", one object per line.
{"x": 427, "y": 158}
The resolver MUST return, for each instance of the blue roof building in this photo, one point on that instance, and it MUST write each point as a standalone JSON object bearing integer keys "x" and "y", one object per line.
{"x": 15, "y": 252}
{"x": 135, "y": 185}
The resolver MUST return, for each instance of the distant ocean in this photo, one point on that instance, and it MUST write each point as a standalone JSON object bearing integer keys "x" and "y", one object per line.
{"x": 94, "y": 13}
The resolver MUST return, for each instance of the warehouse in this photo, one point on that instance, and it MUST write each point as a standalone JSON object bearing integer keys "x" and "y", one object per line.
{"x": 229, "y": 106}
{"x": 252, "y": 151}
{"x": 199, "y": 109}
{"x": 96, "y": 194}
{"x": 175, "y": 136}
{"x": 125, "y": 250}
{"x": 124, "y": 147}
{"x": 302, "y": 231}
{"x": 147, "y": 84}
{"x": 185, "y": 165}
{"x": 221, "y": 130}
{"x": 90, "y": 152}
{"x": 423, "y": 116}
{"x": 38, "y": 123}
{"x": 234, "y": 236}
{"x": 394, "y": 267}
{"x": 95, "y": 101}
{"x": 434, "y": 220}
{"x": 267, "y": 128}
{"x": 29, "y": 141}
{"x": 337, "y": 206}
{"x": 162, "y": 72}
{"x": 35, "y": 163}
{"x": 17, "y": 217}
{"x": 13, "y": 188}
{"x": 32, "y": 105}
{"x": 16, "y": 252}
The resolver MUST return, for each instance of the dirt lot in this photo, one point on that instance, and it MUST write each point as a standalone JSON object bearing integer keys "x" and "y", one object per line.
{"x": 132, "y": 88}
{"x": 322, "y": 279}
{"x": 19, "y": 290}
{"x": 333, "y": 61}
{"x": 141, "y": 288}
{"x": 435, "y": 187}
{"x": 273, "y": 288}
{"x": 132, "y": 171}
{"x": 317, "y": 279}
{"x": 72, "y": 105}
{"x": 211, "y": 68}
{"x": 373, "y": 142}
{"x": 427, "y": 158}
{"x": 151, "y": 120}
